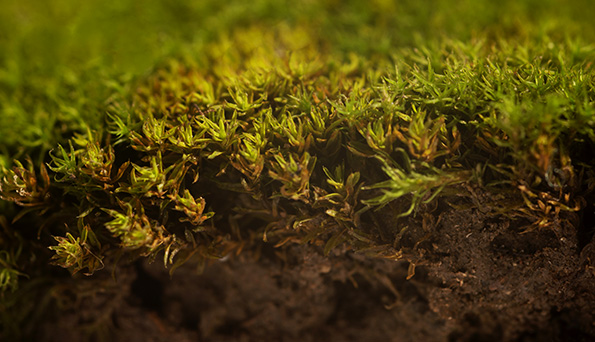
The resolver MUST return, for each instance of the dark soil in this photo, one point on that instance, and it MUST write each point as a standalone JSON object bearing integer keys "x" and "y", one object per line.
{"x": 481, "y": 279}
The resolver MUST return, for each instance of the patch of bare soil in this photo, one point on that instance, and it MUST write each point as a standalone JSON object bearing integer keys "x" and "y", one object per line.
{"x": 482, "y": 280}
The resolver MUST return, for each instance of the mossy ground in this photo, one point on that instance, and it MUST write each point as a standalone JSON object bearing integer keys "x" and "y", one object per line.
{"x": 456, "y": 141}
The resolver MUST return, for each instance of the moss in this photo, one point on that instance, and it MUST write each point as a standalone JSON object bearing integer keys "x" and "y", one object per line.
{"x": 276, "y": 133}
{"x": 305, "y": 140}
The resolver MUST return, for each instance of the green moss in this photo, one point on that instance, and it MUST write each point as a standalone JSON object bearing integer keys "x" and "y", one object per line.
{"x": 296, "y": 129}
{"x": 272, "y": 124}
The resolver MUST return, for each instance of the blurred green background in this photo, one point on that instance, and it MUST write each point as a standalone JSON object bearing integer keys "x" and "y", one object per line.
{"x": 62, "y": 62}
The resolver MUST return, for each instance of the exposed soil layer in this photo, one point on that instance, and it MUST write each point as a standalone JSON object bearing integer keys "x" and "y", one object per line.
{"x": 482, "y": 280}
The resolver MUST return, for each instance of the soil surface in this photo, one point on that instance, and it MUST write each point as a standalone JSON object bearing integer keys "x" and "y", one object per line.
{"x": 481, "y": 279}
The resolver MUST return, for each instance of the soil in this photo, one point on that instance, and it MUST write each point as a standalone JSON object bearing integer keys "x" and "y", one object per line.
{"x": 478, "y": 278}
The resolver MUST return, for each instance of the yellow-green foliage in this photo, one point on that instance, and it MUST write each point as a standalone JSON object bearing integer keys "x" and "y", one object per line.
{"x": 272, "y": 140}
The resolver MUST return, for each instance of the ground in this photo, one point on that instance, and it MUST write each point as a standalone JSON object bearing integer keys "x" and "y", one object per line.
{"x": 481, "y": 279}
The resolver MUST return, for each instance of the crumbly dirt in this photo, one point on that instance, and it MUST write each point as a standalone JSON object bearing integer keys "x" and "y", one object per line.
{"x": 479, "y": 278}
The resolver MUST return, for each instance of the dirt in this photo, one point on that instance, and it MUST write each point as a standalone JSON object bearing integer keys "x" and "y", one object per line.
{"x": 478, "y": 278}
